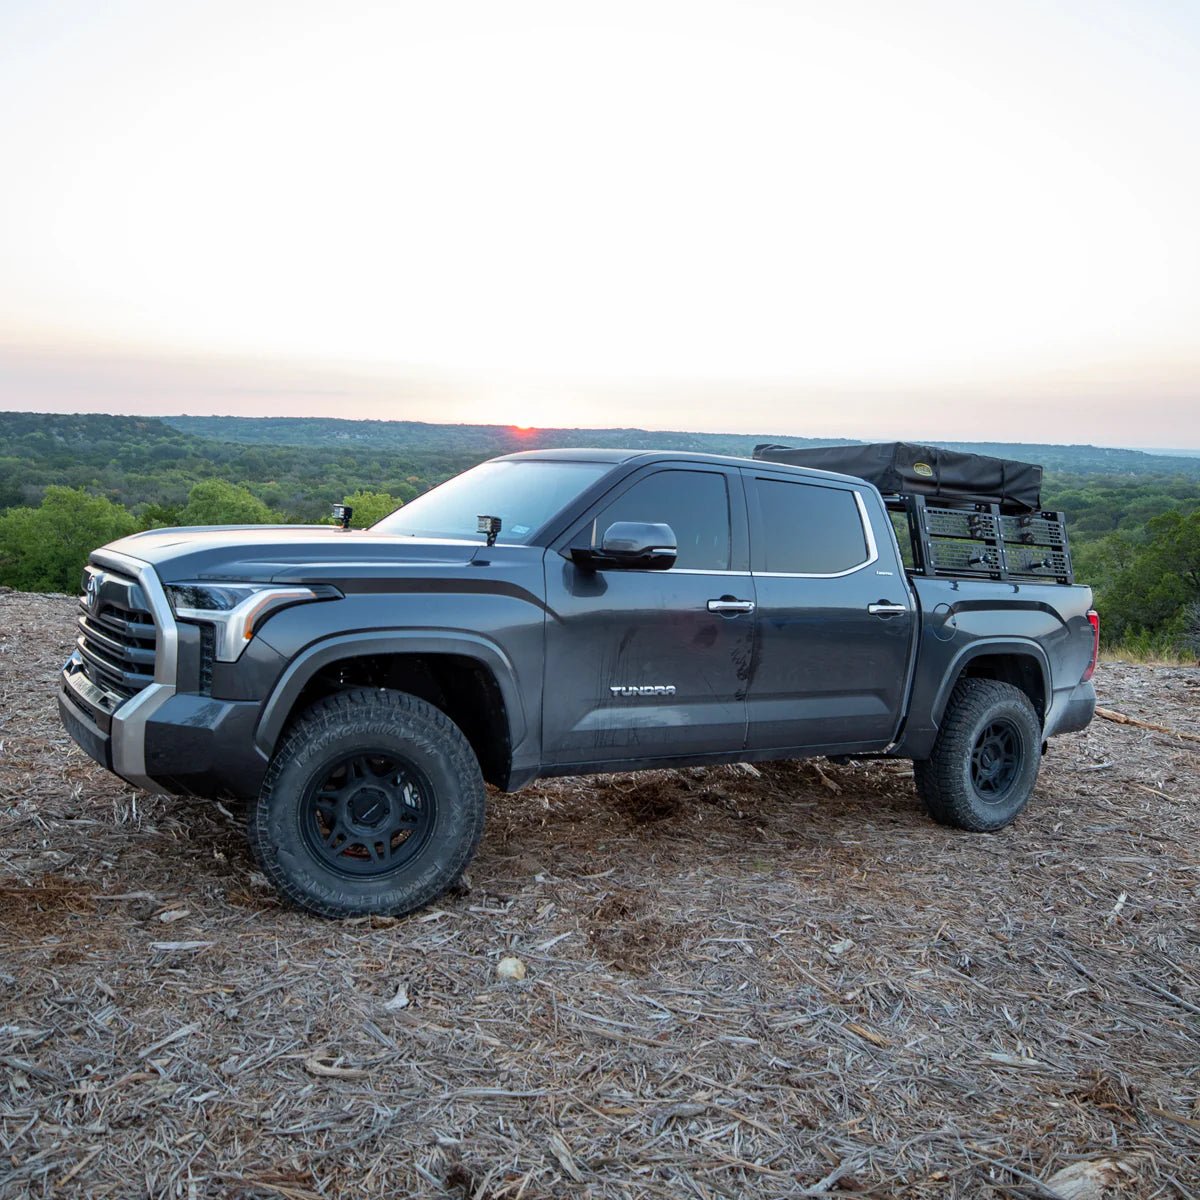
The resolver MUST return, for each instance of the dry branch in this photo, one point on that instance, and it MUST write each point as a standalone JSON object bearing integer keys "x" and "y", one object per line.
{"x": 1121, "y": 719}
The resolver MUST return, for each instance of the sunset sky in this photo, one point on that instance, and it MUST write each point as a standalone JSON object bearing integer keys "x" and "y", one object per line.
{"x": 878, "y": 218}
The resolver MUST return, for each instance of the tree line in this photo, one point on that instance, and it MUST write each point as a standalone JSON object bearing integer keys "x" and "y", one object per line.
{"x": 71, "y": 483}
{"x": 44, "y": 549}
{"x": 489, "y": 440}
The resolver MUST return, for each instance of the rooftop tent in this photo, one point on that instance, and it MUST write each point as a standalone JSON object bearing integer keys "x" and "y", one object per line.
{"x": 897, "y": 468}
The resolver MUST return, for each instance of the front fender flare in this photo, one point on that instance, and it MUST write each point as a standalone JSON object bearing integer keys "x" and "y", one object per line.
{"x": 308, "y": 662}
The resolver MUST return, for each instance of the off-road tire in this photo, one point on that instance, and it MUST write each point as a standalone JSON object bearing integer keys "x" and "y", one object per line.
{"x": 353, "y": 758}
{"x": 985, "y": 760}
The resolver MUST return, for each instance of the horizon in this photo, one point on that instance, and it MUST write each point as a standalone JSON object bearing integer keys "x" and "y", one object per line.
{"x": 166, "y": 418}
{"x": 923, "y": 221}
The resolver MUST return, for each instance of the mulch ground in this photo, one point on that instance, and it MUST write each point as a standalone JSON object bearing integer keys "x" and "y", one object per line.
{"x": 741, "y": 983}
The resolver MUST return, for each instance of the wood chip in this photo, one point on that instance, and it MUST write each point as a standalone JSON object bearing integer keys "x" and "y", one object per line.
{"x": 316, "y": 1065}
{"x": 876, "y": 1039}
{"x": 93, "y": 1151}
{"x": 183, "y": 1032}
{"x": 1013, "y": 1060}
{"x": 399, "y": 1000}
{"x": 1091, "y": 1180}
{"x": 562, "y": 1152}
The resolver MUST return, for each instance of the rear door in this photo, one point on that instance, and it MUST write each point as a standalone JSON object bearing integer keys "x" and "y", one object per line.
{"x": 649, "y": 663}
{"x": 835, "y": 619}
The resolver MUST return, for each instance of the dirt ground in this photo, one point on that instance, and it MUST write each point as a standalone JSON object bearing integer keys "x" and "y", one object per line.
{"x": 775, "y": 983}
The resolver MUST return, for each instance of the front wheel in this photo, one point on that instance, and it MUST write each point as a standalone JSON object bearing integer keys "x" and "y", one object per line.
{"x": 373, "y": 803}
{"x": 985, "y": 760}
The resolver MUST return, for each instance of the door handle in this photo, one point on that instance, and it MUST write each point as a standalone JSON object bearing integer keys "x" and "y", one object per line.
{"x": 728, "y": 606}
{"x": 886, "y": 610}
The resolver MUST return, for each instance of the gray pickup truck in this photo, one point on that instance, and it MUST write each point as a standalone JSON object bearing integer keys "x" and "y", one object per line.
{"x": 564, "y": 612}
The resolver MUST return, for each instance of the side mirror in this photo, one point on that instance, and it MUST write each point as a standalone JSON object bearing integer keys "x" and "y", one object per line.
{"x": 632, "y": 545}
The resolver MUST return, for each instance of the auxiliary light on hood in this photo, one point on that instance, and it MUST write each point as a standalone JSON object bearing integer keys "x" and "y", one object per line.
{"x": 236, "y": 610}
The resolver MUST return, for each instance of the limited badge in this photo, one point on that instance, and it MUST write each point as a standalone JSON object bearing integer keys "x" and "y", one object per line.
{"x": 923, "y": 469}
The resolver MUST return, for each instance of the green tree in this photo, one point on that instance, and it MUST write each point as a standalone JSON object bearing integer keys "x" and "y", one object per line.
{"x": 1099, "y": 562}
{"x": 45, "y": 549}
{"x": 159, "y": 516}
{"x": 217, "y": 502}
{"x": 10, "y": 491}
{"x": 1151, "y": 594}
{"x": 370, "y": 507}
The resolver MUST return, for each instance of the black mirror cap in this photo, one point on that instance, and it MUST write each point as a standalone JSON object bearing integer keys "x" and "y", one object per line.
{"x": 632, "y": 545}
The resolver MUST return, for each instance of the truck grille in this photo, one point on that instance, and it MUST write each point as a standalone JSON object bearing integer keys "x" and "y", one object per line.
{"x": 117, "y": 636}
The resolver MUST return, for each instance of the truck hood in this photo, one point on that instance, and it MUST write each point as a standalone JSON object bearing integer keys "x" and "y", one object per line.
{"x": 285, "y": 553}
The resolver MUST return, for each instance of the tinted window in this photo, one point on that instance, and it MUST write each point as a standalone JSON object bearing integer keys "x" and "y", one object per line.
{"x": 694, "y": 503}
{"x": 807, "y": 530}
{"x": 523, "y": 493}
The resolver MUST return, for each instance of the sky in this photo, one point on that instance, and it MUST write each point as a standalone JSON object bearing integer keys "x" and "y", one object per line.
{"x": 880, "y": 218}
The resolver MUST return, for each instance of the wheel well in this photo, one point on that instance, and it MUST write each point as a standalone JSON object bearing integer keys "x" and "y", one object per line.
{"x": 462, "y": 687}
{"x": 1020, "y": 670}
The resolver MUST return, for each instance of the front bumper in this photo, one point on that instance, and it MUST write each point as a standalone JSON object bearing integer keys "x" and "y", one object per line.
{"x": 162, "y": 741}
{"x": 83, "y": 722}
{"x": 159, "y": 739}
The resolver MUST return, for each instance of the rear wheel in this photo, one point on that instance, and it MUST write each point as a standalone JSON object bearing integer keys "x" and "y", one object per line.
{"x": 373, "y": 803}
{"x": 985, "y": 760}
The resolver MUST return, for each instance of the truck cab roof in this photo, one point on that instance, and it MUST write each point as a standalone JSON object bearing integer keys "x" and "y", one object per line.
{"x": 626, "y": 457}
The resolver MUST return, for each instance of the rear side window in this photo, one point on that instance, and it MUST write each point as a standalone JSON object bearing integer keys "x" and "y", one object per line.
{"x": 694, "y": 503}
{"x": 806, "y": 529}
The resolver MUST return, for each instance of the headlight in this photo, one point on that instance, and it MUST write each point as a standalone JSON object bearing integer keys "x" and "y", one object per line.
{"x": 236, "y": 610}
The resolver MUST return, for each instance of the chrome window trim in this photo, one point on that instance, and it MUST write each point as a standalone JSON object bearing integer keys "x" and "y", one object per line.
{"x": 872, "y": 547}
{"x": 129, "y": 721}
{"x": 674, "y": 571}
{"x": 701, "y": 571}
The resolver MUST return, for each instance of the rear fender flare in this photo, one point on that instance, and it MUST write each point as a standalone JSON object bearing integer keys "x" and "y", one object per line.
{"x": 991, "y": 648}
{"x": 278, "y": 705}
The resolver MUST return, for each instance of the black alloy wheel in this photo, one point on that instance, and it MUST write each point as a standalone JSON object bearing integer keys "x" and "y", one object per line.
{"x": 996, "y": 760}
{"x": 371, "y": 814}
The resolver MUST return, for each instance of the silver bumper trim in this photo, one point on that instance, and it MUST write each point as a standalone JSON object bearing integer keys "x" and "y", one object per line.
{"x": 129, "y": 721}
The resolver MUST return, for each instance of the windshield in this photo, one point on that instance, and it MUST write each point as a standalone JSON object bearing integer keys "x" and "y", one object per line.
{"x": 523, "y": 494}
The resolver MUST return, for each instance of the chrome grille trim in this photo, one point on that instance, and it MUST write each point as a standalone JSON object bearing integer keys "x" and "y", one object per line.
{"x": 117, "y": 638}
{"x": 129, "y": 721}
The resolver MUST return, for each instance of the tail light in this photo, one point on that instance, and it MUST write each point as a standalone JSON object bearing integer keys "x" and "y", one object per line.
{"x": 1094, "y": 621}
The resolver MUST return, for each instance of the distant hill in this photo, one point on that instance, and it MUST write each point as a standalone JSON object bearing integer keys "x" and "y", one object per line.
{"x": 415, "y": 437}
{"x": 139, "y": 461}
{"x": 1171, "y": 453}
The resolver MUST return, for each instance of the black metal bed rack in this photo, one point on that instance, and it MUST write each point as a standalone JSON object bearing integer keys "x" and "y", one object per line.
{"x": 977, "y": 539}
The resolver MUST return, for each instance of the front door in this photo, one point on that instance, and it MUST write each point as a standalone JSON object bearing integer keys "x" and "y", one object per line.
{"x": 644, "y": 664}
